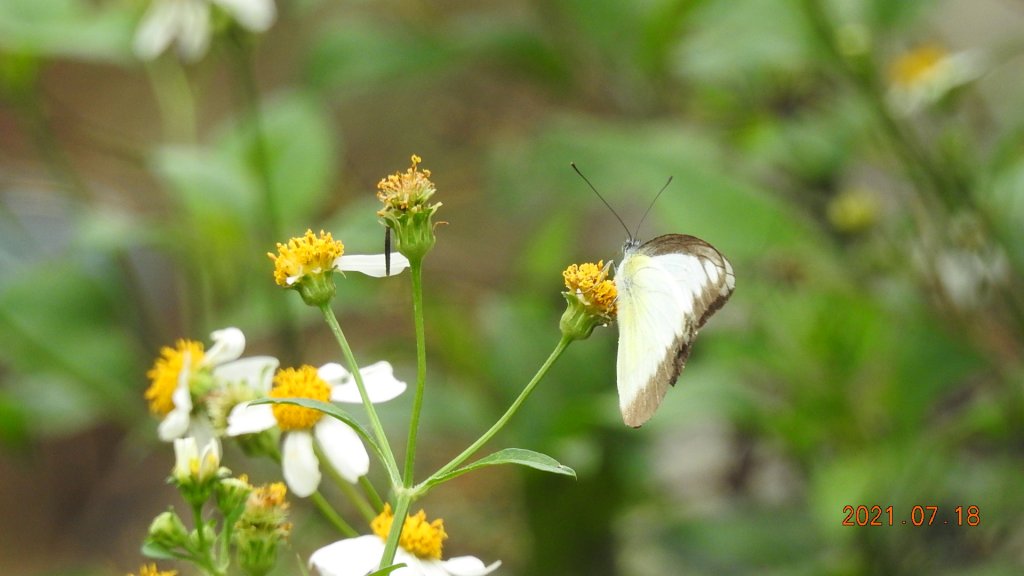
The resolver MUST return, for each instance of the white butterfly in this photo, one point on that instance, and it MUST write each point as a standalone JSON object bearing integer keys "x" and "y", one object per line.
{"x": 667, "y": 287}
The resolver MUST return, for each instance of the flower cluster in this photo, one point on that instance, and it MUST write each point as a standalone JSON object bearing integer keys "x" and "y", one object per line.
{"x": 183, "y": 378}
{"x": 293, "y": 415}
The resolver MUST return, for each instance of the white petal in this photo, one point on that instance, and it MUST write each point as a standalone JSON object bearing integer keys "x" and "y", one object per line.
{"x": 228, "y": 345}
{"x": 176, "y": 423}
{"x": 250, "y": 419}
{"x": 299, "y": 463}
{"x": 424, "y": 567}
{"x": 371, "y": 265}
{"x": 256, "y": 372}
{"x": 256, "y": 15}
{"x": 468, "y": 566}
{"x": 185, "y": 451}
{"x": 349, "y": 557}
{"x": 193, "y": 29}
{"x": 209, "y": 460}
{"x": 333, "y": 373}
{"x": 200, "y": 428}
{"x": 379, "y": 379}
{"x": 343, "y": 448}
{"x": 156, "y": 30}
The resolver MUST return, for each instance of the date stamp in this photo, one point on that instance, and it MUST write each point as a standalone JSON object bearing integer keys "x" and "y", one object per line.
{"x": 918, "y": 515}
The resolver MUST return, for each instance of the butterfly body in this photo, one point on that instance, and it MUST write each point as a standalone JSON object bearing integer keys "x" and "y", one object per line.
{"x": 667, "y": 287}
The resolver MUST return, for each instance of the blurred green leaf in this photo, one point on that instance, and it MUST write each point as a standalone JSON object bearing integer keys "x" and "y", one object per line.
{"x": 66, "y": 28}
{"x": 341, "y": 59}
{"x": 302, "y": 152}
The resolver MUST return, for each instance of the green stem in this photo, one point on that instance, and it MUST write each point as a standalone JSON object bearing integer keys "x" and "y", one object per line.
{"x": 371, "y": 493}
{"x": 378, "y": 430}
{"x": 468, "y": 452}
{"x": 174, "y": 99}
{"x": 416, "y": 270}
{"x": 402, "y": 504}
{"x": 332, "y": 515}
{"x": 350, "y": 492}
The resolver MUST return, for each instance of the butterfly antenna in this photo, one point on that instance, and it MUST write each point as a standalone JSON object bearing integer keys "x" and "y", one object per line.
{"x": 651, "y": 205}
{"x": 612, "y": 210}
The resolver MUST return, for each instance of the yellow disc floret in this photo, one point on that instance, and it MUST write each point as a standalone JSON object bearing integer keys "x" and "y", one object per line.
{"x": 590, "y": 282}
{"x": 150, "y": 570}
{"x": 420, "y": 538}
{"x": 309, "y": 254}
{"x": 298, "y": 383}
{"x": 405, "y": 191}
{"x": 165, "y": 373}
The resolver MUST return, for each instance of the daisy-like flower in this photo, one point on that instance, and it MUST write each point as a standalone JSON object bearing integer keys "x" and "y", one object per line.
{"x": 407, "y": 209}
{"x": 186, "y": 373}
{"x": 307, "y": 264}
{"x": 187, "y": 24}
{"x": 923, "y": 76}
{"x": 302, "y": 427}
{"x": 590, "y": 295}
{"x": 420, "y": 549}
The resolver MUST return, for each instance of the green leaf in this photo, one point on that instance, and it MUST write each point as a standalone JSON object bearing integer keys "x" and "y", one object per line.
{"x": 66, "y": 28}
{"x": 151, "y": 549}
{"x": 388, "y": 570}
{"x": 519, "y": 456}
{"x": 334, "y": 412}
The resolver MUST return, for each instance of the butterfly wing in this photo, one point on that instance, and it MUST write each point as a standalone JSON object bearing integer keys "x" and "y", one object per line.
{"x": 668, "y": 288}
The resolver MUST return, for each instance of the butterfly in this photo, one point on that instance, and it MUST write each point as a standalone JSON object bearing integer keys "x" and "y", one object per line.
{"x": 667, "y": 288}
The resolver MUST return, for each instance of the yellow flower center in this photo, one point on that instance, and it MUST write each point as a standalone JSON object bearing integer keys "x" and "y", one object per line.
{"x": 269, "y": 496}
{"x": 310, "y": 254}
{"x": 405, "y": 191}
{"x": 298, "y": 383}
{"x": 150, "y": 570}
{"x": 165, "y": 372}
{"x": 420, "y": 538}
{"x": 917, "y": 66}
{"x": 590, "y": 281}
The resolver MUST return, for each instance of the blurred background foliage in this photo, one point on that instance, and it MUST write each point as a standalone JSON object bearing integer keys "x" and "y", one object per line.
{"x": 872, "y": 352}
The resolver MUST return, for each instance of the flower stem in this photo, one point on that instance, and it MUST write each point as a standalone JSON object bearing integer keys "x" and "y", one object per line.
{"x": 350, "y": 492}
{"x": 468, "y": 452}
{"x": 378, "y": 430}
{"x": 403, "y": 501}
{"x": 332, "y": 515}
{"x": 371, "y": 493}
{"x": 416, "y": 270}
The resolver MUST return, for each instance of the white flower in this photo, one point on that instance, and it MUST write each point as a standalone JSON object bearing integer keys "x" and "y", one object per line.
{"x": 339, "y": 443}
{"x": 187, "y": 22}
{"x": 192, "y": 466}
{"x": 923, "y": 76}
{"x": 360, "y": 556}
{"x": 185, "y": 371}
